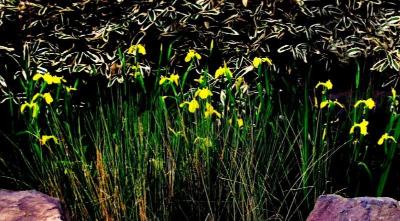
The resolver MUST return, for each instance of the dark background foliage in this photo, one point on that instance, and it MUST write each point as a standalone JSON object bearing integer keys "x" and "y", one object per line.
{"x": 84, "y": 36}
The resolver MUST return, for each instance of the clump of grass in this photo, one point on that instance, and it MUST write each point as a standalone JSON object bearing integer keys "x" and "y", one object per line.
{"x": 200, "y": 145}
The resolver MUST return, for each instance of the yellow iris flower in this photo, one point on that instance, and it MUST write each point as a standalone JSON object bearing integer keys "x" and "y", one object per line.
{"x": 193, "y": 105}
{"x": 385, "y": 137}
{"x": 43, "y": 140}
{"x": 192, "y": 54}
{"x": 240, "y": 122}
{"x": 46, "y": 96}
{"x": 210, "y": 111}
{"x": 172, "y": 78}
{"x": 138, "y": 48}
{"x": 257, "y": 61}
{"x": 223, "y": 71}
{"x": 362, "y": 126}
{"x": 48, "y": 78}
{"x": 203, "y": 93}
{"x": 33, "y": 106}
{"x": 368, "y": 103}
{"x": 69, "y": 89}
{"x": 330, "y": 103}
{"x": 326, "y": 85}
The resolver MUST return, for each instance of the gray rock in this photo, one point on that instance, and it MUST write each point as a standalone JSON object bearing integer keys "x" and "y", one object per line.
{"x": 337, "y": 208}
{"x": 29, "y": 205}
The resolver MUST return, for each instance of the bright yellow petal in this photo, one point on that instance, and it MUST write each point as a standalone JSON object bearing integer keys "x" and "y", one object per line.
{"x": 268, "y": 60}
{"x": 188, "y": 58}
{"x": 48, "y": 78}
{"x": 47, "y": 97}
{"x": 370, "y": 103}
{"x": 240, "y": 122}
{"x": 339, "y": 104}
{"x": 193, "y": 106}
{"x": 256, "y": 62}
{"x": 174, "y": 78}
{"x": 328, "y": 85}
{"x": 69, "y": 89}
{"x": 37, "y": 76}
{"x": 323, "y": 104}
{"x": 141, "y": 49}
{"x": 363, "y": 127}
{"x": 198, "y": 56}
{"x": 24, "y": 106}
{"x": 219, "y": 72}
{"x": 36, "y": 96}
{"x": 132, "y": 49}
{"x": 45, "y": 138}
{"x": 203, "y": 93}
{"x": 190, "y": 55}
{"x": 162, "y": 80}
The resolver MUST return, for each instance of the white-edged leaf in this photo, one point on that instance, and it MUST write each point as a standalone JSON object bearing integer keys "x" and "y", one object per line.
{"x": 284, "y": 48}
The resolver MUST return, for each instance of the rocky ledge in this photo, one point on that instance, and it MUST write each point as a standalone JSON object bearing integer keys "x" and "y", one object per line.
{"x": 29, "y": 205}
{"x": 337, "y": 208}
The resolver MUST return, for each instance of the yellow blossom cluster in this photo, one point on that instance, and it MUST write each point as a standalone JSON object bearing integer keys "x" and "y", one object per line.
{"x": 135, "y": 49}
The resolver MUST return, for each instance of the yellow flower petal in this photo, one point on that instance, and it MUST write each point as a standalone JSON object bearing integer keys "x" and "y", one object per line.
{"x": 268, "y": 60}
{"x": 193, "y": 106}
{"x": 203, "y": 93}
{"x": 326, "y": 85}
{"x": 47, "y": 97}
{"x": 192, "y": 54}
{"x": 36, "y": 96}
{"x": 256, "y": 62}
{"x": 138, "y": 48}
{"x": 33, "y": 106}
{"x": 369, "y": 103}
{"x": 174, "y": 78}
{"x": 37, "y": 76}
{"x": 24, "y": 106}
{"x": 240, "y": 122}
{"x": 323, "y": 104}
{"x": 362, "y": 126}
{"x": 69, "y": 89}
{"x": 219, "y": 72}
{"x": 385, "y": 137}
{"x": 48, "y": 78}
{"x": 339, "y": 104}
{"x": 163, "y": 80}
{"x": 45, "y": 138}
{"x": 141, "y": 49}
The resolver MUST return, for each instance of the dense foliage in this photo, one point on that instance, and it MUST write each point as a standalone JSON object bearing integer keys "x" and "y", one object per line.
{"x": 84, "y": 36}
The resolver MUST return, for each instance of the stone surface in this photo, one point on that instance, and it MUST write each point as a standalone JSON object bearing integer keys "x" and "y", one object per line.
{"x": 337, "y": 208}
{"x": 29, "y": 205}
